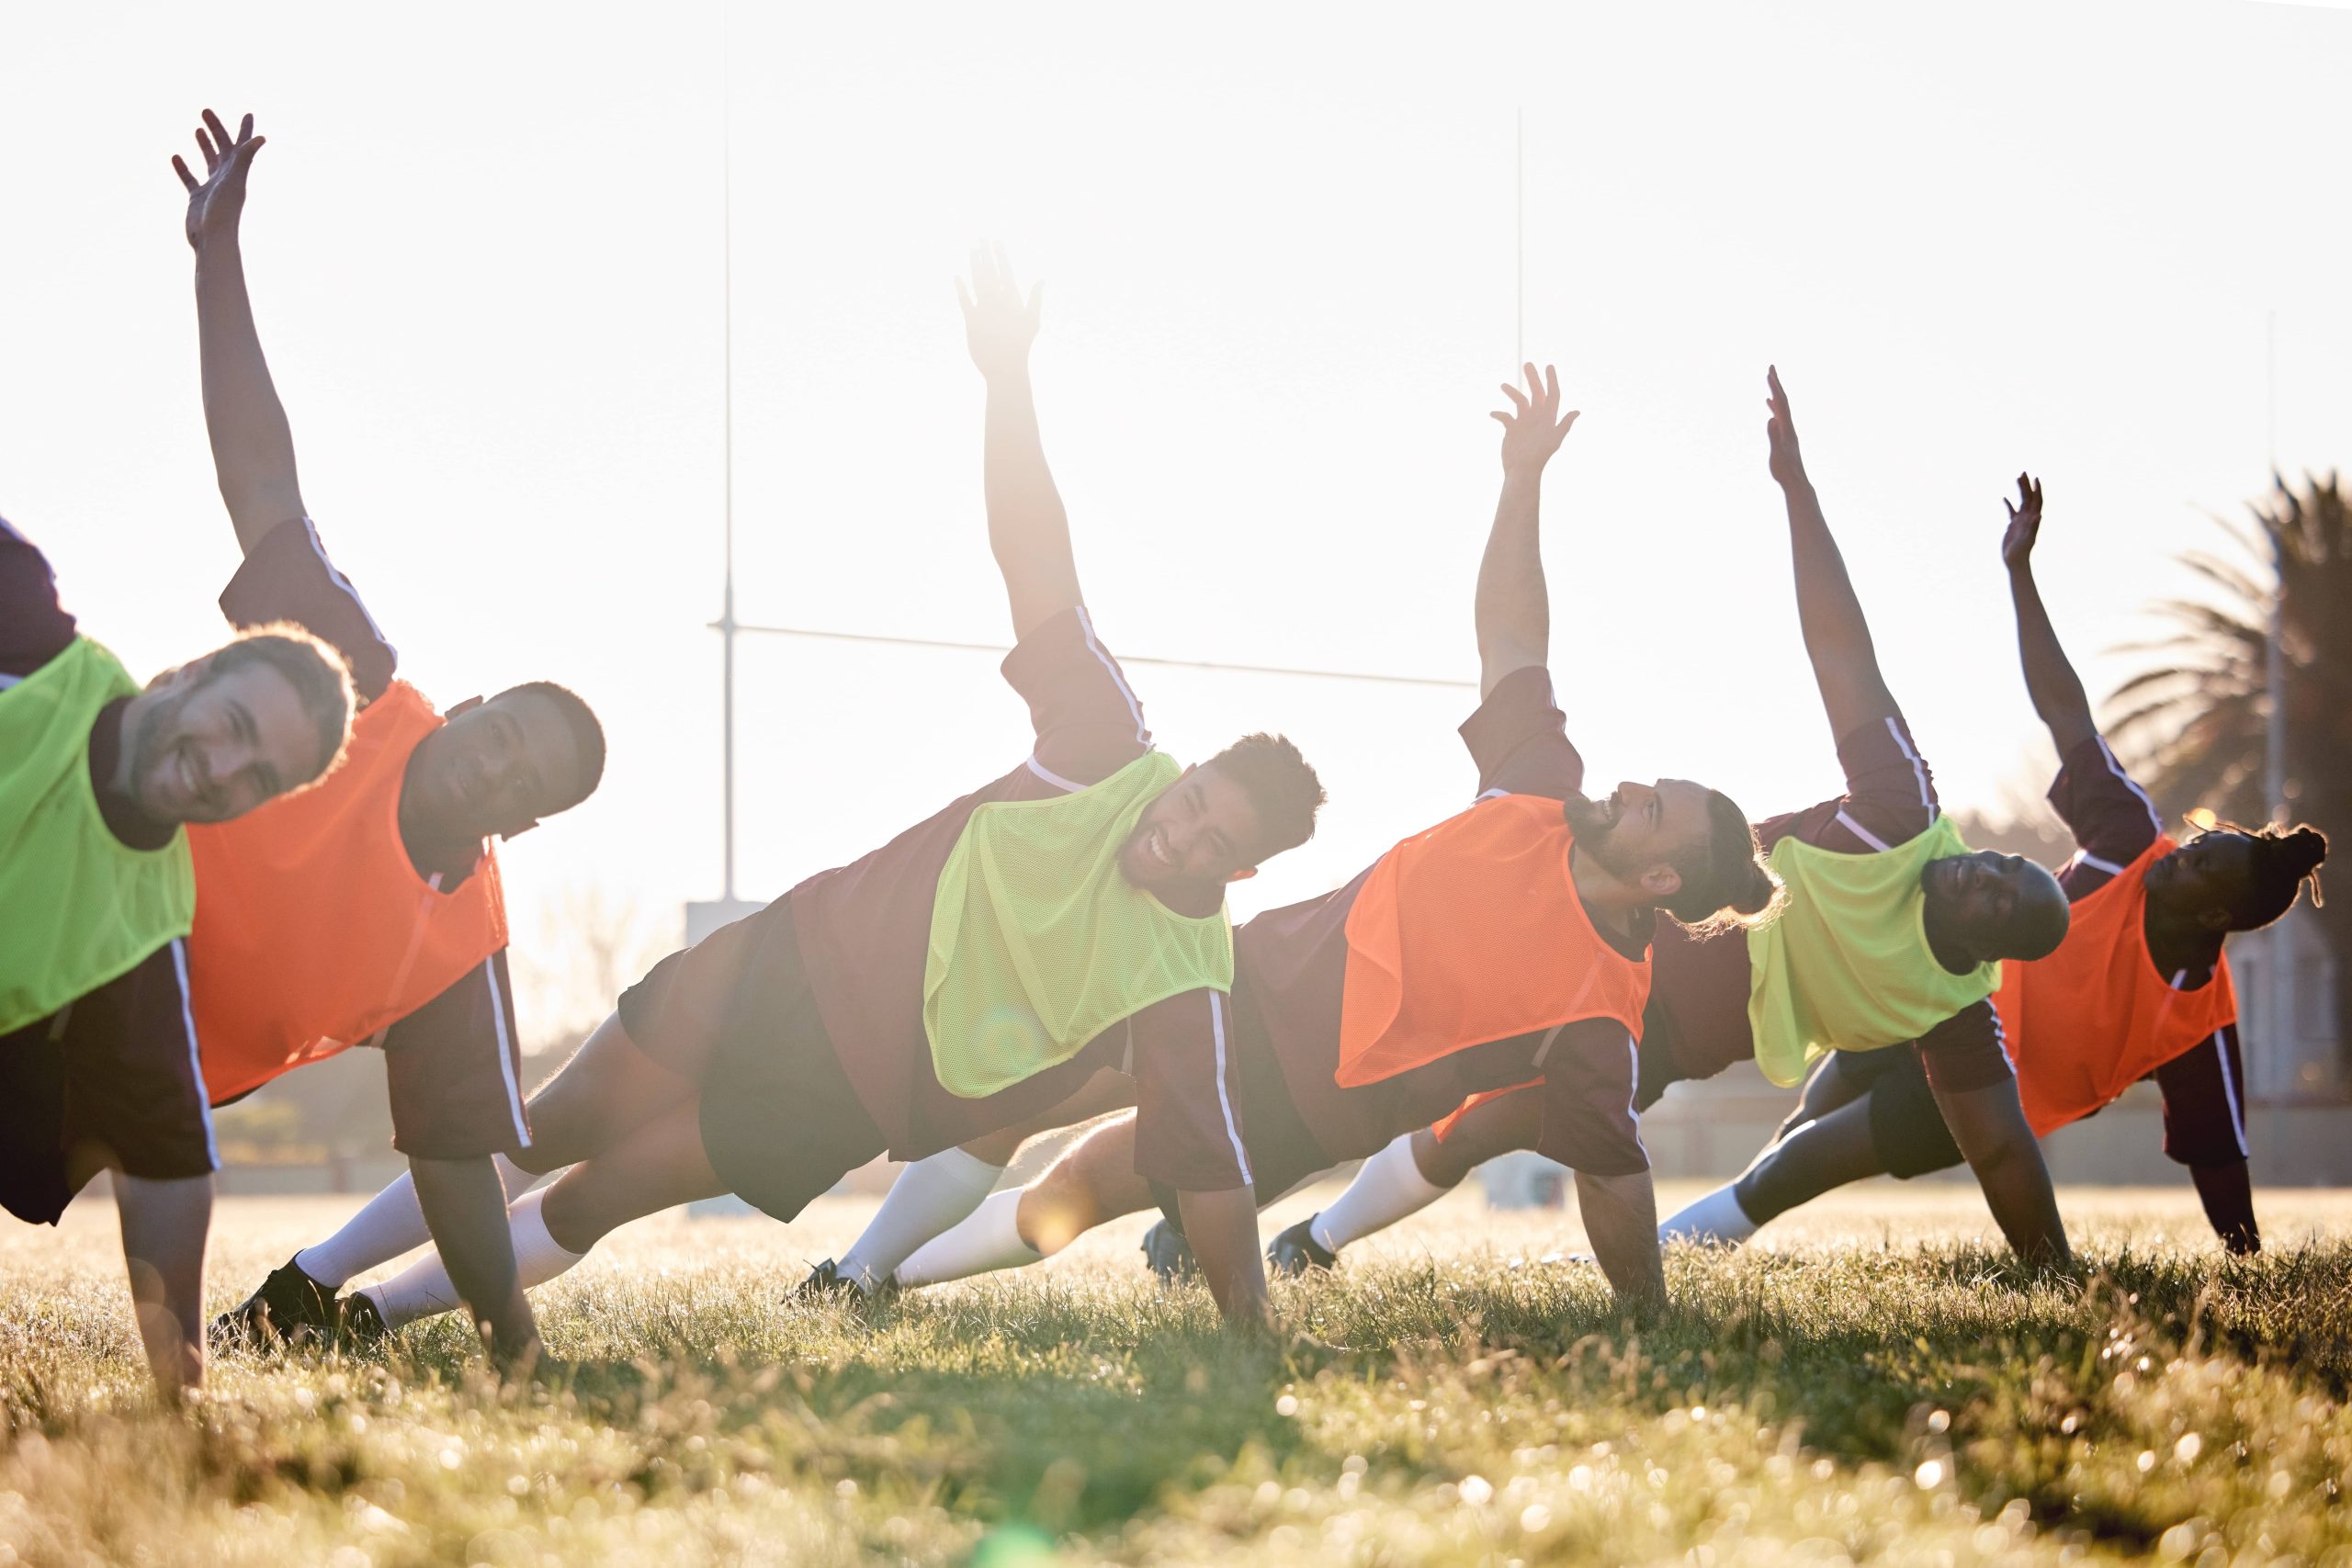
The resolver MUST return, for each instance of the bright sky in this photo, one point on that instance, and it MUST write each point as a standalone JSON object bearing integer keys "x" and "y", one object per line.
{"x": 484, "y": 245}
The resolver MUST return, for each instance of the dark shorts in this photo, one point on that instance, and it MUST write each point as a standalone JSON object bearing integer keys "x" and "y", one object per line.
{"x": 780, "y": 1121}
{"x": 1282, "y": 1152}
{"x": 1907, "y": 1130}
{"x": 112, "y": 1078}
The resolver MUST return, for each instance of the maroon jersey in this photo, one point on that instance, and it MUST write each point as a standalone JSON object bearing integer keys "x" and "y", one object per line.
{"x": 864, "y": 935}
{"x": 452, "y": 1067}
{"x": 1289, "y": 965}
{"x": 2113, "y": 821}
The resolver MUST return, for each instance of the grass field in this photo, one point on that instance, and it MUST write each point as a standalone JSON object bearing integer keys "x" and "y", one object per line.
{"x": 1871, "y": 1385}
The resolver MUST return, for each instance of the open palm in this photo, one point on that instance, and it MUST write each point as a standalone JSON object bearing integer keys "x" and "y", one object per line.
{"x": 215, "y": 203}
{"x": 1534, "y": 428}
{"x": 999, "y": 324}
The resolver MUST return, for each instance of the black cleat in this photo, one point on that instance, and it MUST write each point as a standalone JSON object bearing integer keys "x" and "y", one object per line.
{"x": 1169, "y": 1253}
{"x": 289, "y": 1308}
{"x": 826, "y": 1282}
{"x": 1295, "y": 1250}
{"x": 358, "y": 1325}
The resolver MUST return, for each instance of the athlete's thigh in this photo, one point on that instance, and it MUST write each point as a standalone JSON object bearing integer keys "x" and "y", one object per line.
{"x": 608, "y": 1088}
{"x": 1495, "y": 1127}
{"x": 1838, "y": 1146}
{"x": 1829, "y": 1086}
{"x": 1102, "y": 1164}
{"x": 656, "y": 1164}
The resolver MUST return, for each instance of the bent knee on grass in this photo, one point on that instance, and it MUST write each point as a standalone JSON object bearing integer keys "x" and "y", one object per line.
{"x": 1095, "y": 1181}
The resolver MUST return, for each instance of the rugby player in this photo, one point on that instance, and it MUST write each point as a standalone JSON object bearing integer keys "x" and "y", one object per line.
{"x": 2139, "y": 989}
{"x": 367, "y": 911}
{"x": 1891, "y": 944}
{"x": 1507, "y": 946}
{"x": 100, "y": 782}
{"x": 1063, "y": 918}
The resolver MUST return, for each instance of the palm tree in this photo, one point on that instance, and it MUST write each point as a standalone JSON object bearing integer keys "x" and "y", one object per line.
{"x": 2195, "y": 726}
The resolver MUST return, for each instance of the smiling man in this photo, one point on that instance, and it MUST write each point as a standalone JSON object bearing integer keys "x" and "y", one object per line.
{"x": 368, "y": 912}
{"x": 1508, "y": 947}
{"x": 99, "y": 783}
{"x": 1065, "y": 917}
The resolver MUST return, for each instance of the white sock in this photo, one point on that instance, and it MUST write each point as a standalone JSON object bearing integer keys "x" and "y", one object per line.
{"x": 1388, "y": 1187}
{"x": 391, "y": 1223}
{"x": 1717, "y": 1220}
{"x": 930, "y": 1196}
{"x": 991, "y": 1239}
{"x": 423, "y": 1289}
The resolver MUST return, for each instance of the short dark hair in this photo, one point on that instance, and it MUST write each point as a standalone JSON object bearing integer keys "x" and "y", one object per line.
{"x": 314, "y": 667}
{"x": 2283, "y": 860}
{"x": 1279, "y": 784}
{"x": 586, "y": 733}
{"x": 1724, "y": 880}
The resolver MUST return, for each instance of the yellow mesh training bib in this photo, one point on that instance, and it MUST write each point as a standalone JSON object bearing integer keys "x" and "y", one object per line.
{"x": 1038, "y": 943}
{"x": 1847, "y": 967}
{"x": 78, "y": 907}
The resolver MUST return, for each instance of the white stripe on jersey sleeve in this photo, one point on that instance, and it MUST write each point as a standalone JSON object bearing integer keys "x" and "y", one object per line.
{"x": 334, "y": 575}
{"x": 1918, "y": 767}
{"x": 2155, "y": 819}
{"x": 195, "y": 1054}
{"x": 1225, "y": 1100}
{"x": 1135, "y": 709}
{"x": 505, "y": 1054}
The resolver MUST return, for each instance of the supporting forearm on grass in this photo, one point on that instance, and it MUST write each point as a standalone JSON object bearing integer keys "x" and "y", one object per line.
{"x": 1990, "y": 1127}
{"x": 1222, "y": 1229}
{"x": 1620, "y": 1217}
{"x": 465, "y": 1208}
{"x": 165, "y": 1225}
{"x": 2227, "y": 1193}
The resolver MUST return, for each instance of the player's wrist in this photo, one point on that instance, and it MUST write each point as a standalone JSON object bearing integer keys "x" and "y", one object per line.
{"x": 217, "y": 245}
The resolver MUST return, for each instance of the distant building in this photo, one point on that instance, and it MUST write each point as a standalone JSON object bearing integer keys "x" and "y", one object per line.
{"x": 2299, "y": 1057}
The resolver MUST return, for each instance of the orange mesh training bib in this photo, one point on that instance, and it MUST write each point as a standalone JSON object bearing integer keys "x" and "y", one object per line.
{"x": 2096, "y": 1016}
{"x": 1470, "y": 933}
{"x": 313, "y": 929}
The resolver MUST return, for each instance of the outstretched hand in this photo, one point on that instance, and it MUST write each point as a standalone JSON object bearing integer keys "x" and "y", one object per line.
{"x": 1780, "y": 433}
{"x": 999, "y": 324}
{"x": 2025, "y": 525}
{"x": 215, "y": 203}
{"x": 1534, "y": 428}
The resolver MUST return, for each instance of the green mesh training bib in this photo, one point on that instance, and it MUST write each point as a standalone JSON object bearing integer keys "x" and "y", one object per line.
{"x": 1847, "y": 967}
{"x": 78, "y": 907}
{"x": 1038, "y": 943}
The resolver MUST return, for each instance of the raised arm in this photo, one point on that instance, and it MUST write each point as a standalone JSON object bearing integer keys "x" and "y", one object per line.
{"x": 2049, "y": 679}
{"x": 253, "y": 450}
{"x": 1514, "y": 613}
{"x": 1837, "y": 636}
{"x": 1028, "y": 529}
